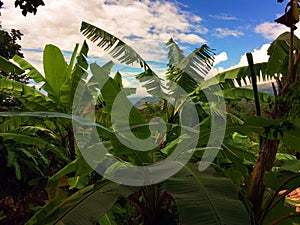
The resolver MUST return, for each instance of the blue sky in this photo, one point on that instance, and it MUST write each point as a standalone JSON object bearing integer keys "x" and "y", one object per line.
{"x": 231, "y": 27}
{"x": 240, "y": 16}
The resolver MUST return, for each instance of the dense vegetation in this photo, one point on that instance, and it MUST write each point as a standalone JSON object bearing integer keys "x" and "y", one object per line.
{"x": 67, "y": 148}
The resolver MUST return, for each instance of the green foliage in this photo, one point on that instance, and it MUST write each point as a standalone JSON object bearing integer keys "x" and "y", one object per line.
{"x": 37, "y": 148}
{"x": 205, "y": 198}
{"x": 76, "y": 194}
{"x": 8, "y": 43}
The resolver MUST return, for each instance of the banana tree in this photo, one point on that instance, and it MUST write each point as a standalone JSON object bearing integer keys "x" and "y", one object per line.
{"x": 283, "y": 67}
{"x": 190, "y": 190}
{"x": 36, "y": 147}
{"x": 41, "y": 144}
{"x": 55, "y": 95}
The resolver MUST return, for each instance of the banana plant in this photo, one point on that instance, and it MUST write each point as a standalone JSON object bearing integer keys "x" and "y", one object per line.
{"x": 55, "y": 95}
{"x": 44, "y": 143}
{"x": 283, "y": 108}
{"x": 36, "y": 147}
{"x": 199, "y": 197}
{"x": 189, "y": 190}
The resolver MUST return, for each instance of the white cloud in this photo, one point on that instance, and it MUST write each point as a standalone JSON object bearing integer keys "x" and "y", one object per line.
{"x": 259, "y": 55}
{"x": 58, "y": 22}
{"x": 270, "y": 30}
{"x": 220, "y": 58}
{"x": 223, "y": 16}
{"x": 190, "y": 38}
{"x": 225, "y": 32}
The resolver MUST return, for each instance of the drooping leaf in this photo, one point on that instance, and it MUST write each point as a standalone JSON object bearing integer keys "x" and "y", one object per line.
{"x": 276, "y": 65}
{"x": 23, "y": 139}
{"x": 9, "y": 67}
{"x": 113, "y": 45}
{"x": 31, "y": 98}
{"x": 79, "y": 166}
{"x": 58, "y": 115}
{"x": 246, "y": 93}
{"x": 204, "y": 198}
{"x": 124, "y": 54}
{"x": 86, "y": 206}
{"x": 198, "y": 63}
{"x": 33, "y": 72}
{"x": 243, "y": 74}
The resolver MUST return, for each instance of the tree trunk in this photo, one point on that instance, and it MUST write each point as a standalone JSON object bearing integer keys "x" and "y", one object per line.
{"x": 269, "y": 148}
{"x": 265, "y": 162}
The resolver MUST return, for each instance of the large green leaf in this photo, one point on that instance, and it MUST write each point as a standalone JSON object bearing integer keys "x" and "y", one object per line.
{"x": 175, "y": 54}
{"x": 84, "y": 207}
{"x": 9, "y": 67}
{"x": 74, "y": 74}
{"x": 243, "y": 74}
{"x": 33, "y": 72}
{"x": 247, "y": 93}
{"x": 55, "y": 68}
{"x": 279, "y": 53}
{"x": 204, "y": 198}
{"x": 110, "y": 90}
{"x": 31, "y": 98}
{"x": 198, "y": 63}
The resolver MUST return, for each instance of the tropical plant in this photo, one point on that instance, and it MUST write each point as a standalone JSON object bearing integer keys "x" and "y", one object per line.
{"x": 241, "y": 185}
{"x": 154, "y": 204}
{"x": 36, "y": 147}
{"x": 283, "y": 68}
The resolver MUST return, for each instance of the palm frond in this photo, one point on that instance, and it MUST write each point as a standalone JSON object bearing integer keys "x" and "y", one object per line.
{"x": 190, "y": 71}
{"x": 198, "y": 63}
{"x": 175, "y": 54}
{"x": 122, "y": 52}
{"x": 113, "y": 45}
{"x": 243, "y": 74}
{"x": 265, "y": 71}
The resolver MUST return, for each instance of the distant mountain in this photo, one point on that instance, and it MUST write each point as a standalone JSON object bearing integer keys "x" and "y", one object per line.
{"x": 139, "y": 100}
{"x": 265, "y": 87}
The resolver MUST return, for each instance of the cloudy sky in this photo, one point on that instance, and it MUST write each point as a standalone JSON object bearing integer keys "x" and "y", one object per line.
{"x": 230, "y": 27}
